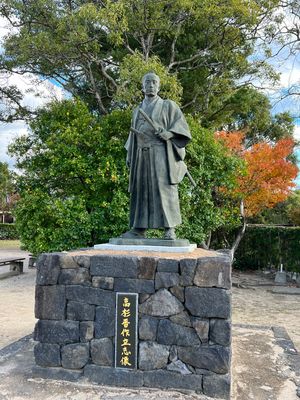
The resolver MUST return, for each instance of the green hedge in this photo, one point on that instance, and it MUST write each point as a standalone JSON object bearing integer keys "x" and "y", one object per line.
{"x": 8, "y": 232}
{"x": 266, "y": 246}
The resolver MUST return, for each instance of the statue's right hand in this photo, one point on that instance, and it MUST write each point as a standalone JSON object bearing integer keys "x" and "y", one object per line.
{"x": 165, "y": 135}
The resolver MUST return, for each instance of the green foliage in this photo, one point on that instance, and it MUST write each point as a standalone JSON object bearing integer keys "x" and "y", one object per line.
{"x": 74, "y": 183}
{"x": 265, "y": 246}
{"x": 277, "y": 215}
{"x": 293, "y": 208}
{"x": 8, "y": 194}
{"x": 285, "y": 213}
{"x": 5, "y": 184}
{"x": 47, "y": 223}
{"x": 249, "y": 110}
{"x": 98, "y": 52}
{"x": 206, "y": 207}
{"x": 11, "y": 103}
{"x": 133, "y": 68}
{"x": 8, "y": 232}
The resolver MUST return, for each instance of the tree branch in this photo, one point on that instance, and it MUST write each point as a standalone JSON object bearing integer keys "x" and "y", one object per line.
{"x": 96, "y": 90}
{"x": 172, "y": 57}
{"x": 106, "y": 75}
{"x": 201, "y": 53}
{"x": 131, "y": 51}
{"x": 193, "y": 101}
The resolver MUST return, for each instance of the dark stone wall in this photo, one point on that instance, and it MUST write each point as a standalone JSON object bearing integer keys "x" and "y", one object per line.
{"x": 184, "y": 328}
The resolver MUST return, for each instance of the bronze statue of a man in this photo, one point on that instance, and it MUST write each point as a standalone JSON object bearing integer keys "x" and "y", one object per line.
{"x": 155, "y": 156}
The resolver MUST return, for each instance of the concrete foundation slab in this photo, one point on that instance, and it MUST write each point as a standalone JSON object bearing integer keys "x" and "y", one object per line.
{"x": 286, "y": 290}
{"x": 149, "y": 248}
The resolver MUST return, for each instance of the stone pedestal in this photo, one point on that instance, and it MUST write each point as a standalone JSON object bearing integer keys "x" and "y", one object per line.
{"x": 184, "y": 327}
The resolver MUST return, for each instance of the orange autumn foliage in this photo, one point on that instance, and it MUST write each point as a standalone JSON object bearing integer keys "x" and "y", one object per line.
{"x": 269, "y": 174}
{"x": 233, "y": 140}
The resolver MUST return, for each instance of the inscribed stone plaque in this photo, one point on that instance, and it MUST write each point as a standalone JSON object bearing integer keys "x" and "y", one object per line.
{"x": 126, "y": 330}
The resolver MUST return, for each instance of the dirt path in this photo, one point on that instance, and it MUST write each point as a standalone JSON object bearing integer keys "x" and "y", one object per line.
{"x": 260, "y": 370}
{"x": 260, "y": 367}
{"x": 258, "y": 306}
{"x": 16, "y": 302}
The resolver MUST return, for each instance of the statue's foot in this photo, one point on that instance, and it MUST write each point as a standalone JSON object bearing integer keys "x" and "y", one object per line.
{"x": 135, "y": 233}
{"x": 170, "y": 234}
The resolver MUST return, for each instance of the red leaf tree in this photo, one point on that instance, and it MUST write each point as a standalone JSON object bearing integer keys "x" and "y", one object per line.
{"x": 269, "y": 174}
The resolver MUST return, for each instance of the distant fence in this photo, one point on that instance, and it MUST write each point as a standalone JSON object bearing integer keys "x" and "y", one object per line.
{"x": 269, "y": 245}
{"x": 8, "y": 232}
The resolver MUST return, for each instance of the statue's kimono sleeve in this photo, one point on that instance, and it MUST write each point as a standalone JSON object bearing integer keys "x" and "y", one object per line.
{"x": 176, "y": 146}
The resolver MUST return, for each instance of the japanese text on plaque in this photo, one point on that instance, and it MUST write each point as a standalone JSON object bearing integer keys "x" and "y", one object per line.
{"x": 126, "y": 331}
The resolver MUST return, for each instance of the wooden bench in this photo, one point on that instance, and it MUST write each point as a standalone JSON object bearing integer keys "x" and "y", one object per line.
{"x": 16, "y": 266}
{"x": 32, "y": 261}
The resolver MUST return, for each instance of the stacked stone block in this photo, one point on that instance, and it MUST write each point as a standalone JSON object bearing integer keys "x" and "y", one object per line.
{"x": 184, "y": 328}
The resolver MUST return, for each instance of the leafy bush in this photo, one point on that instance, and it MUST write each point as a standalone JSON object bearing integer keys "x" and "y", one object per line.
{"x": 74, "y": 183}
{"x": 73, "y": 190}
{"x": 265, "y": 246}
{"x": 8, "y": 232}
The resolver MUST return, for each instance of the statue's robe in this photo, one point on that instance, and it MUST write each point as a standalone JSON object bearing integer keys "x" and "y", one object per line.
{"x": 156, "y": 165}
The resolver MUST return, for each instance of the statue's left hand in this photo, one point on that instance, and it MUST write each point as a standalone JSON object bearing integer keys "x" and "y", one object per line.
{"x": 165, "y": 135}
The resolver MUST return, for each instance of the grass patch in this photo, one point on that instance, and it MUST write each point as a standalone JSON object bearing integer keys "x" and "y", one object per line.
{"x": 10, "y": 244}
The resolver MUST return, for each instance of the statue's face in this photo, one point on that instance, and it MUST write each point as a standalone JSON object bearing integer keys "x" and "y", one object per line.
{"x": 151, "y": 85}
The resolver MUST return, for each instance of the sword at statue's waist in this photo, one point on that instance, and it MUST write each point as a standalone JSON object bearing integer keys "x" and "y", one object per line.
{"x": 140, "y": 132}
{"x": 147, "y": 139}
{"x": 157, "y": 129}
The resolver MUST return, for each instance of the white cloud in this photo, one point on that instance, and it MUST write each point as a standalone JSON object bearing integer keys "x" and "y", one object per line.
{"x": 36, "y": 92}
{"x": 5, "y": 29}
{"x": 8, "y": 132}
{"x": 281, "y": 94}
{"x": 290, "y": 77}
{"x": 297, "y": 132}
{"x": 289, "y": 68}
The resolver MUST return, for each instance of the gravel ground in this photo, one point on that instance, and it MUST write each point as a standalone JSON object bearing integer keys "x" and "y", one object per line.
{"x": 16, "y": 301}
{"x": 258, "y": 305}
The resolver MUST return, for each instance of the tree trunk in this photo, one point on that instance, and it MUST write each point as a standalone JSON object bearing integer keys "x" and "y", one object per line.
{"x": 240, "y": 233}
{"x": 208, "y": 240}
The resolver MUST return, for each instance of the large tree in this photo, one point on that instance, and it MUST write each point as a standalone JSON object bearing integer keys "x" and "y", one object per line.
{"x": 95, "y": 50}
{"x": 267, "y": 180}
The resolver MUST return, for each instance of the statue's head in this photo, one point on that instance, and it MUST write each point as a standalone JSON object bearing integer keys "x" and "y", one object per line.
{"x": 151, "y": 84}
